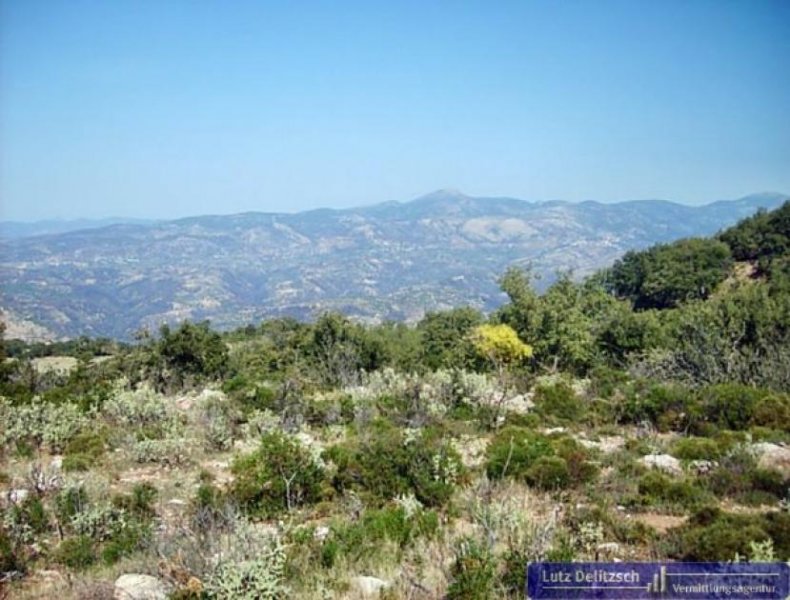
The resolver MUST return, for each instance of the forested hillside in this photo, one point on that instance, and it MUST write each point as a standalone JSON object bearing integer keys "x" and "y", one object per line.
{"x": 640, "y": 414}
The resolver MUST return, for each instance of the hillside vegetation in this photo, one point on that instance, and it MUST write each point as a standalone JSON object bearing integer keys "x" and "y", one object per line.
{"x": 641, "y": 414}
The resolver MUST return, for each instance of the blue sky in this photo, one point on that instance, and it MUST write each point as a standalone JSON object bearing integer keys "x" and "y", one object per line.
{"x": 161, "y": 108}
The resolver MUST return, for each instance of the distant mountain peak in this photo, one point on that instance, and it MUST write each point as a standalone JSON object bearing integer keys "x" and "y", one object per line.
{"x": 444, "y": 194}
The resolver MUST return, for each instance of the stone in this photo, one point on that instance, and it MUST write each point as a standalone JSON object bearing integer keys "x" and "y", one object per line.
{"x": 17, "y": 496}
{"x": 773, "y": 456}
{"x": 608, "y": 548}
{"x": 703, "y": 467}
{"x": 663, "y": 462}
{"x": 321, "y": 533}
{"x": 520, "y": 404}
{"x": 135, "y": 586}
{"x": 369, "y": 586}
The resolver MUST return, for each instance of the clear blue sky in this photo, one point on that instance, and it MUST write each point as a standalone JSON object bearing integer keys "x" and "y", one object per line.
{"x": 165, "y": 108}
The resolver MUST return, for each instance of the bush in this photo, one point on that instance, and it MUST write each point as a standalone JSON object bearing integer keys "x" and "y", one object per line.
{"x": 218, "y": 420}
{"x": 513, "y": 451}
{"x": 731, "y": 405}
{"x": 713, "y": 535}
{"x": 694, "y": 448}
{"x": 261, "y": 578}
{"x": 10, "y": 557}
{"x": 549, "y": 472}
{"x": 279, "y": 476}
{"x": 125, "y": 541}
{"x": 76, "y": 553}
{"x": 390, "y": 463}
{"x": 747, "y": 483}
{"x": 190, "y": 354}
{"x": 772, "y": 411}
{"x": 41, "y": 424}
{"x": 544, "y": 462}
{"x": 667, "y": 407}
{"x": 560, "y": 401}
{"x": 140, "y": 502}
{"x": 137, "y": 409}
{"x": 365, "y": 538}
{"x": 655, "y": 488}
{"x": 83, "y": 451}
{"x": 27, "y": 518}
{"x": 171, "y": 451}
{"x": 472, "y": 573}
{"x": 78, "y": 462}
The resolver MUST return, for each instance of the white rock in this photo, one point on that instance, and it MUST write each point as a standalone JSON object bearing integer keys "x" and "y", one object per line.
{"x": 521, "y": 404}
{"x": 17, "y": 496}
{"x": 663, "y": 462}
{"x": 369, "y": 586}
{"x": 773, "y": 456}
{"x": 702, "y": 467}
{"x": 608, "y": 548}
{"x": 321, "y": 533}
{"x": 134, "y": 586}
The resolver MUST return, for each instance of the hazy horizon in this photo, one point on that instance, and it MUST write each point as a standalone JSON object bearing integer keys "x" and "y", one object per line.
{"x": 166, "y": 110}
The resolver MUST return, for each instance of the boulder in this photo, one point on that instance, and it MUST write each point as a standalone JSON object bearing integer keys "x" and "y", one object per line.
{"x": 773, "y": 456}
{"x": 18, "y": 496}
{"x": 134, "y": 586}
{"x": 369, "y": 586}
{"x": 663, "y": 462}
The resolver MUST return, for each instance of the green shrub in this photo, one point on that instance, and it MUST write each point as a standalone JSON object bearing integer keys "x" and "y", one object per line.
{"x": 549, "y": 472}
{"x": 655, "y": 488}
{"x": 77, "y": 552}
{"x": 513, "y": 451}
{"x": 88, "y": 443}
{"x": 668, "y": 407}
{"x": 78, "y": 462}
{"x": 39, "y": 424}
{"x": 731, "y": 405}
{"x": 713, "y": 535}
{"x": 560, "y": 401}
{"x": 577, "y": 458}
{"x": 363, "y": 539}
{"x": 30, "y": 514}
{"x": 750, "y": 485}
{"x": 10, "y": 557}
{"x": 472, "y": 573}
{"x": 71, "y": 501}
{"x": 542, "y": 461}
{"x": 389, "y": 463}
{"x": 125, "y": 541}
{"x": 695, "y": 448}
{"x": 140, "y": 502}
{"x": 772, "y": 411}
{"x": 260, "y": 578}
{"x": 279, "y": 476}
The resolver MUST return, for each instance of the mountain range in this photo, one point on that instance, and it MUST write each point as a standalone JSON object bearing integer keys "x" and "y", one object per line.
{"x": 387, "y": 261}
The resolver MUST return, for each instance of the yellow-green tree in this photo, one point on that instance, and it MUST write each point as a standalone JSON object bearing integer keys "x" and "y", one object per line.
{"x": 500, "y": 345}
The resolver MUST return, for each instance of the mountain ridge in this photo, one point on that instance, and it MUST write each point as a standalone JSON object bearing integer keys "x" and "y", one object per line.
{"x": 384, "y": 261}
